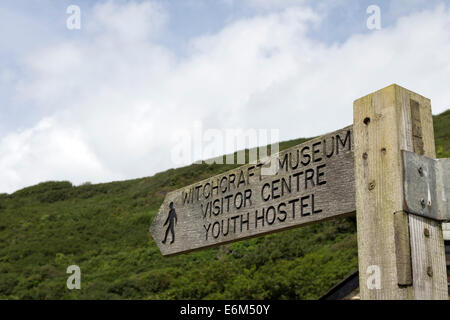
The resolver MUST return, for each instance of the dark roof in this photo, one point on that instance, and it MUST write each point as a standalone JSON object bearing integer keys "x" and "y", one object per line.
{"x": 351, "y": 282}
{"x": 343, "y": 288}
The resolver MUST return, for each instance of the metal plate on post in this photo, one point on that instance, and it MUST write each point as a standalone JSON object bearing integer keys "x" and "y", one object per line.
{"x": 426, "y": 186}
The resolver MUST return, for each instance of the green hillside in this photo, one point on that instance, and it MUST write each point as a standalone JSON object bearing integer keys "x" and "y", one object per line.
{"x": 103, "y": 228}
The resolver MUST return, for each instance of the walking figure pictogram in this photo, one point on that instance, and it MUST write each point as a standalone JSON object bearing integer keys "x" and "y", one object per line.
{"x": 172, "y": 220}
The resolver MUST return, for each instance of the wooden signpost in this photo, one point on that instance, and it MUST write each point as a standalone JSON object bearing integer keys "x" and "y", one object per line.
{"x": 359, "y": 169}
{"x": 400, "y": 254}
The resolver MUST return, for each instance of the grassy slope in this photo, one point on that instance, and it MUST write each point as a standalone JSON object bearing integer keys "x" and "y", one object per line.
{"x": 104, "y": 229}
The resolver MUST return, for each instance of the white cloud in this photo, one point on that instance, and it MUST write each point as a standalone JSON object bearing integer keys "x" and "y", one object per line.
{"x": 49, "y": 151}
{"x": 267, "y": 4}
{"x": 113, "y": 99}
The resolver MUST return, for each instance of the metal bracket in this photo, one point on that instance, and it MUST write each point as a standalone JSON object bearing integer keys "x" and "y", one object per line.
{"x": 426, "y": 186}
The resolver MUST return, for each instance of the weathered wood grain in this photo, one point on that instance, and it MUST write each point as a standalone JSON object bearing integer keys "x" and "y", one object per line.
{"x": 402, "y": 249}
{"x": 385, "y": 122}
{"x": 321, "y": 187}
{"x": 446, "y": 230}
{"x": 427, "y": 243}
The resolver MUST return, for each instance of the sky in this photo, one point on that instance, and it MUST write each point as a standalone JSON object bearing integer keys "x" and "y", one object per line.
{"x": 113, "y": 99}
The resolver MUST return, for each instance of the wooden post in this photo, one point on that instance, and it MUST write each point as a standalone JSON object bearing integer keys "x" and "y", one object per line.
{"x": 401, "y": 256}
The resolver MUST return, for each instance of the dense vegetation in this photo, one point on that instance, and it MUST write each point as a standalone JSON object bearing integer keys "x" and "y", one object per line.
{"x": 104, "y": 229}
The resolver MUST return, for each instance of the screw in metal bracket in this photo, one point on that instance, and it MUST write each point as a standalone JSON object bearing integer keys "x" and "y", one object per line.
{"x": 420, "y": 171}
{"x": 423, "y": 203}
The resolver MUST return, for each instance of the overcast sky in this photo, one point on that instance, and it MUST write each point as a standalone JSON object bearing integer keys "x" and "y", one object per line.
{"x": 106, "y": 102}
